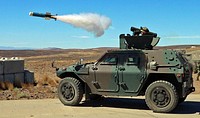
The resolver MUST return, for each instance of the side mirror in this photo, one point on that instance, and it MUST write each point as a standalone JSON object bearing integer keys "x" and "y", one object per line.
{"x": 81, "y": 60}
{"x": 94, "y": 67}
{"x": 153, "y": 65}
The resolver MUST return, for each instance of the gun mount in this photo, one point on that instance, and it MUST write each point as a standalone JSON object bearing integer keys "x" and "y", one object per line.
{"x": 138, "y": 41}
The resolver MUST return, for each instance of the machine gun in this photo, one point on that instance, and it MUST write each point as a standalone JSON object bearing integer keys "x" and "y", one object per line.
{"x": 137, "y": 32}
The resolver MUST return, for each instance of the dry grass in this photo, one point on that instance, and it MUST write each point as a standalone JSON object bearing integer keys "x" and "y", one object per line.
{"x": 9, "y": 85}
{"x": 6, "y": 86}
{"x": 26, "y": 86}
{"x": 193, "y": 49}
{"x": 46, "y": 80}
{"x": 2, "y": 85}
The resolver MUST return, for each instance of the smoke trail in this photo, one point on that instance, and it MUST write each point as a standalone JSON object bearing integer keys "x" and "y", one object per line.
{"x": 91, "y": 22}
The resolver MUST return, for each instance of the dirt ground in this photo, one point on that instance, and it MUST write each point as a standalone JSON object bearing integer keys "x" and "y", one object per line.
{"x": 196, "y": 84}
{"x": 110, "y": 107}
{"x": 46, "y": 81}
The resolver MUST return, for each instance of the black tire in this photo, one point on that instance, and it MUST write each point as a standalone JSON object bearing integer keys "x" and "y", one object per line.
{"x": 70, "y": 91}
{"x": 161, "y": 96}
{"x": 181, "y": 100}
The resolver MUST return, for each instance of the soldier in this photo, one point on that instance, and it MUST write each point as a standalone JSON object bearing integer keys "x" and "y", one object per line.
{"x": 144, "y": 30}
{"x": 198, "y": 70}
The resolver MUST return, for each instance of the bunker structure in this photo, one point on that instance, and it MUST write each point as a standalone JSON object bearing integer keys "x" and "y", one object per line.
{"x": 12, "y": 71}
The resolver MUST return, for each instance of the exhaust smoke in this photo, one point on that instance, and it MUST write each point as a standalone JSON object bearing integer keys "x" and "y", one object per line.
{"x": 91, "y": 22}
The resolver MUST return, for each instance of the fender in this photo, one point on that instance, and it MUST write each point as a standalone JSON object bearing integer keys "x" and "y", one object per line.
{"x": 69, "y": 74}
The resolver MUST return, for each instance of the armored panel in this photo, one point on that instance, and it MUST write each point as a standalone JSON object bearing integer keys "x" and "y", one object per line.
{"x": 9, "y": 78}
{"x": 1, "y": 78}
{"x": 29, "y": 77}
{"x": 13, "y": 66}
{"x": 19, "y": 79}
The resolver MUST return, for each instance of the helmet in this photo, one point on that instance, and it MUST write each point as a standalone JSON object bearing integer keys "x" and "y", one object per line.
{"x": 144, "y": 29}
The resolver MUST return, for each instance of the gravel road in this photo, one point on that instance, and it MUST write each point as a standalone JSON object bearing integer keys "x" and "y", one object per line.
{"x": 107, "y": 108}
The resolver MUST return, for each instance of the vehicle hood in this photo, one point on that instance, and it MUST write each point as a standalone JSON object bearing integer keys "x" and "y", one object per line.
{"x": 79, "y": 69}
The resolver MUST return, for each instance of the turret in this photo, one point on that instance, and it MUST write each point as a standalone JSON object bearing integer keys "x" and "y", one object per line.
{"x": 141, "y": 39}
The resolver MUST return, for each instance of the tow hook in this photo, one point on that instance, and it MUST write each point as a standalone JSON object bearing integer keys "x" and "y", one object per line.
{"x": 192, "y": 89}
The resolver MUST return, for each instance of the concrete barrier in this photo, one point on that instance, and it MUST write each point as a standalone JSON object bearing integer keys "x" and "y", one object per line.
{"x": 12, "y": 71}
{"x": 19, "y": 79}
{"x": 13, "y": 66}
{"x": 1, "y": 67}
{"x": 1, "y": 78}
{"x": 29, "y": 77}
{"x": 9, "y": 78}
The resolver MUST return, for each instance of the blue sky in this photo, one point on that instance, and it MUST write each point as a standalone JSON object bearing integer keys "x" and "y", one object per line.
{"x": 177, "y": 22}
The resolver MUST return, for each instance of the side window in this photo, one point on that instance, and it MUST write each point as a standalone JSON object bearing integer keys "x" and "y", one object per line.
{"x": 109, "y": 60}
{"x": 132, "y": 60}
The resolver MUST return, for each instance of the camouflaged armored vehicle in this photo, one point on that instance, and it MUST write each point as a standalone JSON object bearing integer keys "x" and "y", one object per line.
{"x": 164, "y": 77}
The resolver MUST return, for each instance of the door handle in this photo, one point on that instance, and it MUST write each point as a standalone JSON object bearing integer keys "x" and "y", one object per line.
{"x": 121, "y": 68}
{"x": 94, "y": 68}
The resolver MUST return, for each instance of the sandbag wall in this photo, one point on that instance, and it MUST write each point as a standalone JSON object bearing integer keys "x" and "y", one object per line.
{"x": 12, "y": 71}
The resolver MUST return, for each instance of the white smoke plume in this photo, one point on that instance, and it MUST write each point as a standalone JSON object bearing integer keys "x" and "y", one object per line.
{"x": 91, "y": 22}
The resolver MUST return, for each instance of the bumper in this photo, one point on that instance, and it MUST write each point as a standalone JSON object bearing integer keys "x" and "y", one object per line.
{"x": 187, "y": 89}
{"x": 192, "y": 89}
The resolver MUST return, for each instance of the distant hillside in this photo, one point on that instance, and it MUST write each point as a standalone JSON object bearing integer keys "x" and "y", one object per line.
{"x": 51, "y": 48}
{"x": 101, "y": 48}
{"x": 177, "y": 47}
{"x": 14, "y": 48}
{"x": 20, "y": 52}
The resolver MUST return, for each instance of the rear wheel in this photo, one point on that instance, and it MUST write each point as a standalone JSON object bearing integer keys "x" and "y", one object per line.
{"x": 161, "y": 96}
{"x": 70, "y": 91}
{"x": 181, "y": 100}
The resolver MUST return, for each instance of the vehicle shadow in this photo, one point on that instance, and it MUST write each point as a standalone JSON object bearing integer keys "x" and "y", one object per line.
{"x": 126, "y": 103}
{"x": 187, "y": 107}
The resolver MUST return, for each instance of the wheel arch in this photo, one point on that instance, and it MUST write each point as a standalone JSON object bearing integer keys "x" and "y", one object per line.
{"x": 161, "y": 76}
{"x": 71, "y": 74}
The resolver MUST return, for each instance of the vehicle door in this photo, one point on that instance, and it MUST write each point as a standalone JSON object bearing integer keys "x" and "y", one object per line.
{"x": 131, "y": 72}
{"x": 106, "y": 74}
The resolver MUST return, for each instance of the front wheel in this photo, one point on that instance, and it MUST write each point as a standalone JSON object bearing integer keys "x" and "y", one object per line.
{"x": 70, "y": 91}
{"x": 161, "y": 96}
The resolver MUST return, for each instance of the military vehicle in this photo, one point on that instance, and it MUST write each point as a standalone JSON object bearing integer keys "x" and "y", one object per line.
{"x": 135, "y": 69}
